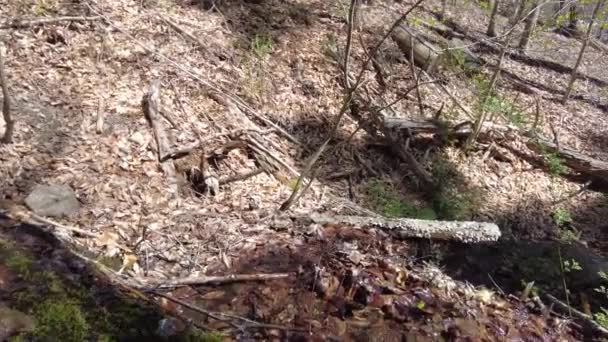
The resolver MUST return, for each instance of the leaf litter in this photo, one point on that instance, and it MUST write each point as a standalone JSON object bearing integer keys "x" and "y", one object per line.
{"x": 347, "y": 282}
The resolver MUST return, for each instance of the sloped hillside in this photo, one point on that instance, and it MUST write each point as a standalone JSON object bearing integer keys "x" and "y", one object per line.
{"x": 183, "y": 127}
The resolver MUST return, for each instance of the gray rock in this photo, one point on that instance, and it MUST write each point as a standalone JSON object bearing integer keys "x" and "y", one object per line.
{"x": 53, "y": 200}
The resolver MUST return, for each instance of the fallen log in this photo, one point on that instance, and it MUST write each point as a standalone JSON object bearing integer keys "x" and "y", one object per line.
{"x": 593, "y": 169}
{"x": 403, "y": 228}
{"x": 151, "y": 109}
{"x": 425, "y": 54}
{"x": 596, "y": 170}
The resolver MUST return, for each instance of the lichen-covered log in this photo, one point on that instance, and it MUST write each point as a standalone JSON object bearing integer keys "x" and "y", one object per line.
{"x": 425, "y": 53}
{"x": 462, "y": 231}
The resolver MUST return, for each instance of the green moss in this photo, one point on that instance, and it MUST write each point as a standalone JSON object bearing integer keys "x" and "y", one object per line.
{"x": 384, "y": 199}
{"x": 60, "y": 321}
{"x": 195, "y": 335}
{"x": 452, "y": 199}
{"x": 18, "y": 262}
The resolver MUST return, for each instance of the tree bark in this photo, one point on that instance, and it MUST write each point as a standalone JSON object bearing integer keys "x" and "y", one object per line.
{"x": 582, "y": 51}
{"x": 6, "y": 104}
{"x": 529, "y": 26}
{"x": 492, "y": 25}
{"x": 462, "y": 231}
{"x": 425, "y": 54}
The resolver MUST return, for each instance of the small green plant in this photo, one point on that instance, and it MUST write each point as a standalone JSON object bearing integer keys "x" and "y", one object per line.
{"x": 552, "y": 160}
{"x": 561, "y": 217}
{"x": 19, "y": 262}
{"x": 261, "y": 45}
{"x": 451, "y": 198}
{"x": 571, "y": 266}
{"x": 554, "y": 164}
{"x": 602, "y": 317}
{"x": 44, "y": 7}
{"x": 195, "y": 335}
{"x": 256, "y": 83}
{"x": 60, "y": 321}
{"x": 387, "y": 201}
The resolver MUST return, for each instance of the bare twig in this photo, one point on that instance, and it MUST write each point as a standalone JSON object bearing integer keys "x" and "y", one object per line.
{"x": 60, "y": 226}
{"x": 151, "y": 108}
{"x": 28, "y": 23}
{"x": 187, "y": 34}
{"x": 416, "y": 78}
{"x": 585, "y": 318}
{"x": 100, "y": 115}
{"x": 6, "y": 104}
{"x": 184, "y": 151}
{"x": 241, "y": 176}
{"x": 349, "y": 40}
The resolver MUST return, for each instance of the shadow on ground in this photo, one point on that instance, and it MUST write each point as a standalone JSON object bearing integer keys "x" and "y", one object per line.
{"x": 48, "y": 293}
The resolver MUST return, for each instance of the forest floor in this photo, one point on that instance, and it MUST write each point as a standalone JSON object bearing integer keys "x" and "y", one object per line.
{"x": 77, "y": 92}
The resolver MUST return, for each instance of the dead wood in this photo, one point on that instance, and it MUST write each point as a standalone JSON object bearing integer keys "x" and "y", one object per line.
{"x": 6, "y": 104}
{"x": 462, "y": 231}
{"x": 151, "y": 107}
{"x": 240, "y": 177}
{"x": 593, "y": 169}
{"x": 424, "y": 53}
{"x": 587, "y": 320}
{"x": 261, "y": 150}
{"x": 27, "y": 23}
{"x": 209, "y": 179}
{"x": 61, "y": 227}
{"x": 100, "y": 115}
{"x": 185, "y": 33}
{"x": 184, "y": 151}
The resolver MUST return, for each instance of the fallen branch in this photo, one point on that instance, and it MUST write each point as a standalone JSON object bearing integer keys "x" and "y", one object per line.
{"x": 184, "y": 151}
{"x": 463, "y": 231}
{"x": 240, "y": 177}
{"x": 151, "y": 108}
{"x": 27, "y": 23}
{"x": 594, "y": 169}
{"x": 6, "y": 105}
{"x": 258, "y": 148}
{"x": 187, "y": 34}
{"x": 207, "y": 280}
{"x": 596, "y": 327}
{"x": 63, "y": 227}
